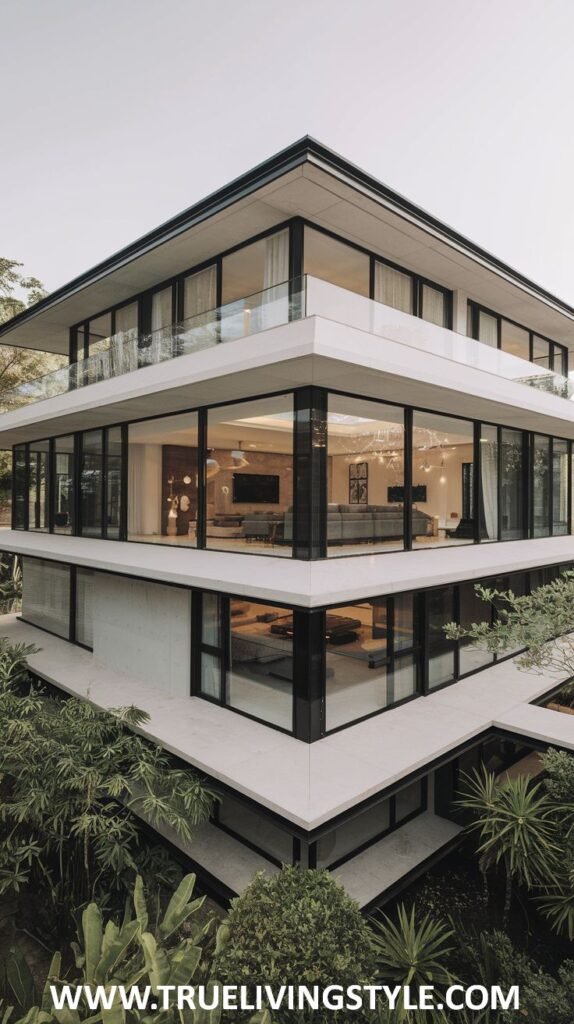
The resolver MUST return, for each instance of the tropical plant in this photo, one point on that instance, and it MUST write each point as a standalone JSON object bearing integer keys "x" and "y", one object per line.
{"x": 413, "y": 952}
{"x": 132, "y": 953}
{"x": 515, "y": 821}
{"x": 298, "y": 927}
{"x": 531, "y": 623}
{"x": 10, "y": 582}
{"x": 76, "y": 782}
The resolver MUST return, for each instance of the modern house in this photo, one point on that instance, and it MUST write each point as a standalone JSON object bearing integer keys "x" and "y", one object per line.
{"x": 300, "y": 422}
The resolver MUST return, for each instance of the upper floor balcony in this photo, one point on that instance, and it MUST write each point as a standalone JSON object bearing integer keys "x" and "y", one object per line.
{"x": 129, "y": 351}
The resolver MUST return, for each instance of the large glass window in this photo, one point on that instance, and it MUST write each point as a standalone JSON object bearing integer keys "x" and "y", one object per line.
{"x": 333, "y": 261}
{"x": 255, "y": 288}
{"x": 540, "y": 486}
{"x": 260, "y": 674}
{"x": 472, "y": 610}
{"x": 440, "y": 611}
{"x": 100, "y": 483}
{"x": 512, "y": 520}
{"x": 487, "y": 329}
{"x": 163, "y": 479}
{"x": 514, "y": 339}
{"x": 20, "y": 487}
{"x": 443, "y": 494}
{"x": 97, "y": 336}
{"x": 63, "y": 496}
{"x": 371, "y": 657}
{"x": 249, "y": 484}
{"x": 84, "y": 622}
{"x": 46, "y": 595}
{"x": 489, "y": 482}
{"x": 365, "y": 482}
{"x": 559, "y": 487}
{"x": 38, "y": 482}
{"x": 542, "y": 352}
{"x": 434, "y": 305}
{"x": 394, "y": 288}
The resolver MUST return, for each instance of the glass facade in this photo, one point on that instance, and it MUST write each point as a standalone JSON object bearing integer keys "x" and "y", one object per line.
{"x": 249, "y": 476}
{"x": 270, "y": 662}
{"x": 308, "y": 474}
{"x": 365, "y": 476}
{"x": 492, "y": 329}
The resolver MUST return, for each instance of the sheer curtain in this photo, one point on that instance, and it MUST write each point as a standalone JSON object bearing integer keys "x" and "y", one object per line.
{"x": 274, "y": 309}
{"x": 433, "y": 305}
{"x": 393, "y": 288}
{"x": 199, "y": 297}
{"x": 125, "y": 339}
{"x": 489, "y": 479}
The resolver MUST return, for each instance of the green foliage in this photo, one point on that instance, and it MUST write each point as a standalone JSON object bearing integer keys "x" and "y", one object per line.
{"x": 530, "y": 622}
{"x": 75, "y": 782}
{"x": 299, "y": 927}
{"x": 516, "y": 826}
{"x": 413, "y": 952}
{"x": 10, "y": 582}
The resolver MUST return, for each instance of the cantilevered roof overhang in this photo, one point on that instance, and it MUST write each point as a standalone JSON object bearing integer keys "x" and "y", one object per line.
{"x": 309, "y": 180}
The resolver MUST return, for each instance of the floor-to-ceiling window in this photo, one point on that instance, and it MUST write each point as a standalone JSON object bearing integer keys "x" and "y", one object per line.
{"x": 163, "y": 466}
{"x": 489, "y": 474}
{"x": 440, "y": 610}
{"x": 443, "y": 498}
{"x": 255, "y": 287}
{"x": 512, "y": 484}
{"x": 541, "y": 470}
{"x": 20, "y": 492}
{"x": 492, "y": 329}
{"x": 100, "y": 483}
{"x": 365, "y": 477}
{"x": 330, "y": 259}
{"x": 249, "y": 476}
{"x": 371, "y": 659}
{"x": 63, "y": 483}
{"x": 38, "y": 485}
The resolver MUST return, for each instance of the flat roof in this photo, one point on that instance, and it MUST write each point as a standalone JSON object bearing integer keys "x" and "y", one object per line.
{"x": 266, "y": 195}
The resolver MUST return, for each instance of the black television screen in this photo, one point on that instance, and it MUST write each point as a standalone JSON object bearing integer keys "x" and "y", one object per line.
{"x": 255, "y": 488}
{"x": 397, "y": 494}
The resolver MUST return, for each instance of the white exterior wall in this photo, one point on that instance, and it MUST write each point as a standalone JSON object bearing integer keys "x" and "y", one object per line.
{"x": 144, "y": 629}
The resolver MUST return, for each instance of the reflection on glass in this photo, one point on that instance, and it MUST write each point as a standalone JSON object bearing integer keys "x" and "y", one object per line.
{"x": 63, "y": 497}
{"x": 162, "y": 480}
{"x": 249, "y": 484}
{"x": 541, "y": 486}
{"x": 46, "y": 595}
{"x": 365, "y": 485}
{"x": 255, "y": 287}
{"x": 113, "y": 482}
{"x": 514, "y": 339}
{"x": 541, "y": 354}
{"x": 443, "y": 492}
{"x": 85, "y": 580}
{"x": 20, "y": 488}
{"x": 39, "y": 455}
{"x": 353, "y": 834}
{"x": 369, "y": 659}
{"x": 332, "y": 260}
{"x": 512, "y": 522}
{"x": 489, "y": 482}
{"x": 440, "y": 650}
{"x": 260, "y": 676}
{"x": 559, "y": 487}
{"x": 92, "y": 483}
{"x": 472, "y": 610}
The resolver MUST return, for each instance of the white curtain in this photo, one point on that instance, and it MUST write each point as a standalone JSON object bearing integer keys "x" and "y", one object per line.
{"x": 488, "y": 329}
{"x": 393, "y": 288}
{"x": 274, "y": 307}
{"x": 199, "y": 297}
{"x": 489, "y": 476}
{"x": 433, "y": 305}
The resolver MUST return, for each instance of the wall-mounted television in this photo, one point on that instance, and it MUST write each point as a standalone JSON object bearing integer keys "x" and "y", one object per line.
{"x": 397, "y": 494}
{"x": 255, "y": 489}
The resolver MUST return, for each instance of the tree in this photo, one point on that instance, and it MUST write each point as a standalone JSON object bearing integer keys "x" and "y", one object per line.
{"x": 76, "y": 782}
{"x": 299, "y": 927}
{"x": 516, "y": 824}
{"x": 542, "y": 623}
{"x": 412, "y": 953}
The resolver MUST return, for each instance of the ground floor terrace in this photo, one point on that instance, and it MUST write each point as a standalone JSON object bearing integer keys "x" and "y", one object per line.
{"x": 373, "y": 803}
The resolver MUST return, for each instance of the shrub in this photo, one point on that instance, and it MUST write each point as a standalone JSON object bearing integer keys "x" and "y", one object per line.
{"x": 299, "y": 927}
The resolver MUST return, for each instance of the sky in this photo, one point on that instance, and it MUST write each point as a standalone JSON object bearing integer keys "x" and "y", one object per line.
{"x": 117, "y": 114}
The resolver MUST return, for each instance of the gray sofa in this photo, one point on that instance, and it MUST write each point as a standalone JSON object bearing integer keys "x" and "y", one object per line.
{"x": 354, "y": 524}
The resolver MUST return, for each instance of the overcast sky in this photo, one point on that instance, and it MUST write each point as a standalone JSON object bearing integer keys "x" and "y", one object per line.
{"x": 117, "y": 114}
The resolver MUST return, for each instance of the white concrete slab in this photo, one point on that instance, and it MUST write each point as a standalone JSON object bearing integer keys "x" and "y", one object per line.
{"x": 540, "y": 724}
{"x": 291, "y": 581}
{"x": 386, "y": 862}
{"x": 306, "y": 784}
